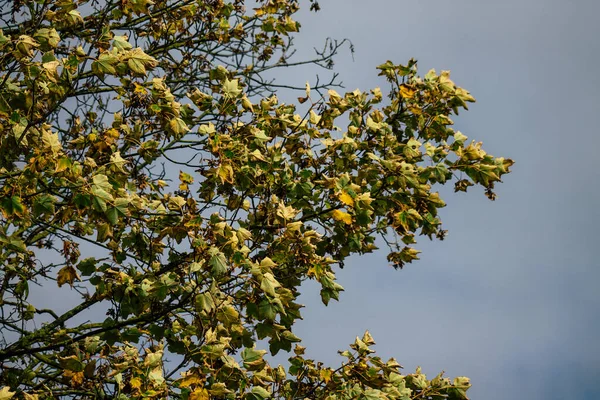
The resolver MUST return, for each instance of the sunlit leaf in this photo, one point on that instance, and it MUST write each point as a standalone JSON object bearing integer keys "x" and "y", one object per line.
{"x": 339, "y": 215}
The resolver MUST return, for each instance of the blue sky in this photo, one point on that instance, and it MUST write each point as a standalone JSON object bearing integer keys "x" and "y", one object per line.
{"x": 511, "y": 297}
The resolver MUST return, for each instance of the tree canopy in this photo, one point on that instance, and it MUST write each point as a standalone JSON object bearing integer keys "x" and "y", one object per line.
{"x": 149, "y": 170}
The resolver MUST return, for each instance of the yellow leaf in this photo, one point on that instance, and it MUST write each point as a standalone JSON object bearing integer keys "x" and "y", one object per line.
{"x": 190, "y": 380}
{"x": 199, "y": 394}
{"x": 342, "y": 216}
{"x": 225, "y": 172}
{"x": 50, "y": 140}
{"x": 135, "y": 383}
{"x": 28, "y": 396}
{"x": 67, "y": 274}
{"x": 406, "y": 91}
{"x": 5, "y": 393}
{"x": 75, "y": 378}
{"x": 325, "y": 375}
{"x": 286, "y": 212}
{"x": 346, "y": 199}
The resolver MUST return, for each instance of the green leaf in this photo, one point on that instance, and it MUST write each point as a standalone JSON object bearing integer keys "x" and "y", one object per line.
{"x": 217, "y": 261}
{"x": 258, "y": 393}
{"x": 12, "y": 206}
{"x": 47, "y": 37}
{"x": 252, "y": 357}
{"x": 87, "y": 266}
{"x": 121, "y": 43}
{"x": 119, "y": 210}
{"x": 105, "y": 64}
{"x": 71, "y": 363}
{"x": 205, "y": 302}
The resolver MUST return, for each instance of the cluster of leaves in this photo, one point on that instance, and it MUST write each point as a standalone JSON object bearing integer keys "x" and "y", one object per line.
{"x": 149, "y": 132}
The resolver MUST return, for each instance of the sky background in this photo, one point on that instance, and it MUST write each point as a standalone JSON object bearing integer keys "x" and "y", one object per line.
{"x": 511, "y": 297}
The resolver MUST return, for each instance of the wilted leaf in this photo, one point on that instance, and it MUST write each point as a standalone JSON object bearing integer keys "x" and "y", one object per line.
{"x": 67, "y": 274}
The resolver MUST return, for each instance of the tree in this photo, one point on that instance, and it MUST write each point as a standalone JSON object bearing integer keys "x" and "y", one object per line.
{"x": 148, "y": 166}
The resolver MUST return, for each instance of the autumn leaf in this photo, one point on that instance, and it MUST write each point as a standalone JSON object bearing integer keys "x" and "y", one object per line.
{"x": 325, "y": 375}
{"x": 339, "y": 215}
{"x": 346, "y": 198}
{"x": 230, "y": 88}
{"x": 121, "y": 43}
{"x": 138, "y": 61}
{"x": 178, "y": 126}
{"x": 6, "y": 394}
{"x": 225, "y": 173}
{"x": 406, "y": 91}
{"x": 199, "y": 394}
{"x": 190, "y": 379}
{"x": 67, "y": 274}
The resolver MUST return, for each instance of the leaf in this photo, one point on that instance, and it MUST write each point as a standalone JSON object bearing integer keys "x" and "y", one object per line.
{"x": 253, "y": 358}
{"x": 67, "y": 274}
{"x": 138, "y": 61}
{"x": 105, "y": 64}
{"x": 71, "y": 363}
{"x": 205, "y": 302}
{"x": 153, "y": 359}
{"x": 121, "y": 43}
{"x": 119, "y": 210}
{"x": 178, "y": 126}
{"x": 258, "y": 393}
{"x": 286, "y": 212}
{"x": 51, "y": 141}
{"x": 118, "y": 162}
{"x": 339, "y": 215}
{"x": 406, "y": 91}
{"x": 199, "y": 394}
{"x": 325, "y": 375}
{"x": 190, "y": 379}
{"x": 207, "y": 129}
{"x": 346, "y": 198}
{"x": 268, "y": 284}
{"x": 230, "y": 88}
{"x": 412, "y": 148}
{"x": 12, "y": 206}
{"x": 217, "y": 261}
{"x": 47, "y": 37}
{"x": 87, "y": 266}
{"x": 25, "y": 45}
{"x": 225, "y": 173}
{"x": 6, "y": 394}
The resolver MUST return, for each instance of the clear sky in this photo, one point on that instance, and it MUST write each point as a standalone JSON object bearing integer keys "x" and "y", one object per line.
{"x": 511, "y": 298}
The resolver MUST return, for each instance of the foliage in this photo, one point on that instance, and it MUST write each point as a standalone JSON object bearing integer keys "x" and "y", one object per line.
{"x": 148, "y": 135}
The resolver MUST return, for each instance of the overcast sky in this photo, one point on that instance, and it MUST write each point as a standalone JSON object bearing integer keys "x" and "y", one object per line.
{"x": 511, "y": 298}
